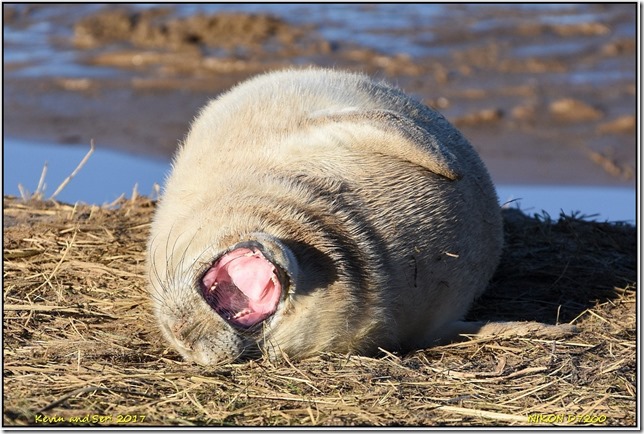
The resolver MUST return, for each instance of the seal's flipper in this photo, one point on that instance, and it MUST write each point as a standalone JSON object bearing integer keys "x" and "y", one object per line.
{"x": 417, "y": 144}
{"x": 459, "y": 331}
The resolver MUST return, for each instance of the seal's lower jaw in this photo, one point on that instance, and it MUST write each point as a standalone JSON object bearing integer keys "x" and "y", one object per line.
{"x": 243, "y": 287}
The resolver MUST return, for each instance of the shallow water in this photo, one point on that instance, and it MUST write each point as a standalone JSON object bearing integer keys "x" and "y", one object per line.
{"x": 108, "y": 174}
{"x": 467, "y": 59}
{"x": 40, "y": 47}
{"x": 383, "y": 27}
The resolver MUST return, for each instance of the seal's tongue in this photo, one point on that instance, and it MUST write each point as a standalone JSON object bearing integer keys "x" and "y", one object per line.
{"x": 242, "y": 287}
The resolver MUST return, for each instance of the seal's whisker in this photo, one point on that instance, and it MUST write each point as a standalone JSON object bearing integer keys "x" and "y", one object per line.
{"x": 170, "y": 277}
{"x": 160, "y": 287}
{"x": 182, "y": 258}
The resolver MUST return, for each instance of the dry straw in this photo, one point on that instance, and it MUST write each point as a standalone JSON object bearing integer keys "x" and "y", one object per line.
{"x": 80, "y": 341}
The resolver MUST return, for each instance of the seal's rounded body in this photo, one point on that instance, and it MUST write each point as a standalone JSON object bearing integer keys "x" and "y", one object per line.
{"x": 318, "y": 210}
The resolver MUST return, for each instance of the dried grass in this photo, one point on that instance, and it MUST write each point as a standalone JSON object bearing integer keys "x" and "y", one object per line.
{"x": 80, "y": 339}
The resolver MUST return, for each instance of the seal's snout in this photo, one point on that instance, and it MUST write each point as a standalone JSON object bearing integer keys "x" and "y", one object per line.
{"x": 242, "y": 287}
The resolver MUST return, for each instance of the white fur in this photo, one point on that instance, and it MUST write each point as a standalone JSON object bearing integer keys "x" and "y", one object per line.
{"x": 389, "y": 175}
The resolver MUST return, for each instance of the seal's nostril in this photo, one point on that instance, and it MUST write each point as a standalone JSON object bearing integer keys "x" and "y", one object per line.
{"x": 174, "y": 332}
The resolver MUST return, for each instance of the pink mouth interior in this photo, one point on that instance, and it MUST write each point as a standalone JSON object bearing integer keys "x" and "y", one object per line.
{"x": 242, "y": 287}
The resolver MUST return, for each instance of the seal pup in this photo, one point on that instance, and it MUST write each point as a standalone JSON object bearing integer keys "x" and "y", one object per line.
{"x": 317, "y": 210}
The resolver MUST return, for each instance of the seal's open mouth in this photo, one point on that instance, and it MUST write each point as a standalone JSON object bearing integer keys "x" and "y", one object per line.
{"x": 242, "y": 287}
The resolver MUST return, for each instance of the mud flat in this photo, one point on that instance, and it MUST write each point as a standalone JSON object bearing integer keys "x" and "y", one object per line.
{"x": 547, "y": 95}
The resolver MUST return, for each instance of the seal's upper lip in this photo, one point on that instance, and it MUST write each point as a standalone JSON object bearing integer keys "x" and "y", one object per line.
{"x": 242, "y": 286}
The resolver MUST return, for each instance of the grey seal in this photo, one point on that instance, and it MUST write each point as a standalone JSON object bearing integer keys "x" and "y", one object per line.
{"x": 317, "y": 211}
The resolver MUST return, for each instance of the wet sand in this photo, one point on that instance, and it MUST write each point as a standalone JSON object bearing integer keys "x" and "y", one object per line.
{"x": 544, "y": 101}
